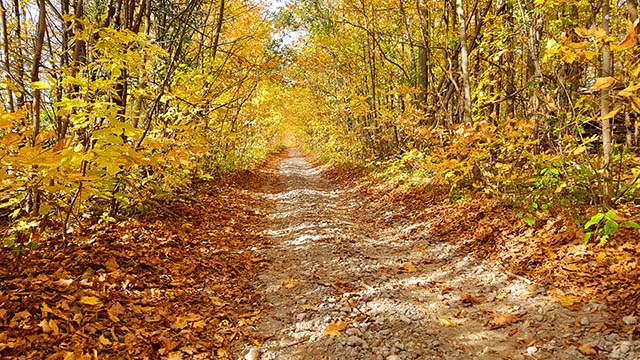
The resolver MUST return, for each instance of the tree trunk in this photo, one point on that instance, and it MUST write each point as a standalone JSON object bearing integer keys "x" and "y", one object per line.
{"x": 5, "y": 48}
{"x": 423, "y": 56}
{"x": 35, "y": 70}
{"x": 632, "y": 5}
{"x": 464, "y": 62}
{"x": 607, "y": 65}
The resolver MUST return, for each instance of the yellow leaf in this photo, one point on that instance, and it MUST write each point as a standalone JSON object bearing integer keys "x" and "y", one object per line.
{"x": 89, "y": 300}
{"x": 334, "y": 328}
{"x": 199, "y": 324}
{"x": 446, "y": 322}
{"x": 604, "y": 82}
{"x": 601, "y": 256}
{"x": 569, "y": 300}
{"x": 612, "y": 113}
{"x": 40, "y": 85}
{"x": 104, "y": 341}
{"x": 290, "y": 284}
{"x": 629, "y": 90}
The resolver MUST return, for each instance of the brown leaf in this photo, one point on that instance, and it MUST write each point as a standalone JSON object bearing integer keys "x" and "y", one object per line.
{"x": 502, "y": 320}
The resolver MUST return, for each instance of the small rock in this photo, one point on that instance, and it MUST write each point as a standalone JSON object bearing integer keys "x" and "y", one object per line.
{"x": 300, "y": 316}
{"x": 625, "y": 347}
{"x": 393, "y": 357}
{"x": 531, "y": 350}
{"x": 584, "y": 321}
{"x": 252, "y": 354}
{"x": 354, "y": 340}
{"x": 630, "y": 320}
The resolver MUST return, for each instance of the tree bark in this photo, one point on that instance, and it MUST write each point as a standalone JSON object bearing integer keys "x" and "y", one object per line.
{"x": 35, "y": 70}
{"x": 605, "y": 124}
{"x": 632, "y": 5}
{"x": 5, "y": 48}
{"x": 464, "y": 62}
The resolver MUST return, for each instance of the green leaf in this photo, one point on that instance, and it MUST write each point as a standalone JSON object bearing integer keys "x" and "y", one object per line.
{"x": 10, "y": 241}
{"x": 611, "y": 214}
{"x": 603, "y": 240}
{"x": 520, "y": 214}
{"x": 32, "y": 245}
{"x": 594, "y": 220}
{"x": 530, "y": 220}
{"x": 631, "y": 224}
{"x": 587, "y": 236}
{"x": 610, "y": 227}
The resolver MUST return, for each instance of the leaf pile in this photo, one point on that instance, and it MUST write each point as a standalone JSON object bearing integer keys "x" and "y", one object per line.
{"x": 152, "y": 287}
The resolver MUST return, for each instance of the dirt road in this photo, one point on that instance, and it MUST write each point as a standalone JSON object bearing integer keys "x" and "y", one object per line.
{"x": 354, "y": 278}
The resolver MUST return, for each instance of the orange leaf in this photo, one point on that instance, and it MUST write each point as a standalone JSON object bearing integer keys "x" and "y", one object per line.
{"x": 587, "y": 349}
{"x": 334, "y": 328}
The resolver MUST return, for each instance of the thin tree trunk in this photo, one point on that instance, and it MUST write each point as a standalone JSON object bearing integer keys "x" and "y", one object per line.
{"x": 216, "y": 39}
{"x": 632, "y": 5}
{"x": 20, "y": 60}
{"x": 607, "y": 69}
{"x": 5, "y": 47}
{"x": 423, "y": 56}
{"x": 35, "y": 70}
{"x": 464, "y": 62}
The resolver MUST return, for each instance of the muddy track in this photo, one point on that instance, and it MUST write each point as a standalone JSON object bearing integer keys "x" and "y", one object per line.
{"x": 392, "y": 291}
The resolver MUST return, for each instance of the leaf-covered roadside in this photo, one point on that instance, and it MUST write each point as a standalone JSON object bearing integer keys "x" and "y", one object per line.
{"x": 159, "y": 286}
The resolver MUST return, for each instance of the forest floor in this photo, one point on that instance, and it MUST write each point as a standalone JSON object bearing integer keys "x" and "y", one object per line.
{"x": 296, "y": 260}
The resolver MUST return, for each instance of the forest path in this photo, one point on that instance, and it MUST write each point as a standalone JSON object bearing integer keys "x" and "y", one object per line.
{"x": 344, "y": 262}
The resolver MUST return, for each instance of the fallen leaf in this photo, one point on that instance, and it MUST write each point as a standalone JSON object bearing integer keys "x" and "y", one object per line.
{"x": 334, "y": 328}
{"x": 290, "y": 284}
{"x": 569, "y": 301}
{"x": 513, "y": 332}
{"x": 446, "y": 322}
{"x": 199, "y": 324}
{"x": 409, "y": 268}
{"x": 502, "y": 320}
{"x": 587, "y": 349}
{"x": 104, "y": 341}
{"x": 89, "y": 300}
{"x": 63, "y": 283}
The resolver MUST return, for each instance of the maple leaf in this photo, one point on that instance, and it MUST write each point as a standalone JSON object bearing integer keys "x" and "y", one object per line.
{"x": 335, "y": 328}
